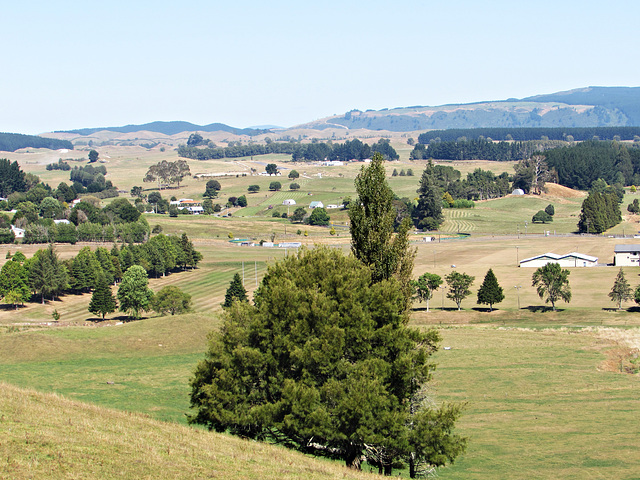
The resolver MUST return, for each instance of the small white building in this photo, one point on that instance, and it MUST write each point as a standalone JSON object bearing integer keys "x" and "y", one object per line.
{"x": 18, "y": 232}
{"x": 626, "y": 255}
{"x": 64, "y": 221}
{"x": 316, "y": 204}
{"x": 572, "y": 259}
{"x": 289, "y": 201}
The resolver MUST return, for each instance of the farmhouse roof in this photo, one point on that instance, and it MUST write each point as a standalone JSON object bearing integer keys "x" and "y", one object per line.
{"x": 555, "y": 256}
{"x": 627, "y": 248}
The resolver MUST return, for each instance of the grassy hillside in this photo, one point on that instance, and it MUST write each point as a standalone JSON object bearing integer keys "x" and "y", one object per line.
{"x": 48, "y": 436}
{"x": 544, "y": 390}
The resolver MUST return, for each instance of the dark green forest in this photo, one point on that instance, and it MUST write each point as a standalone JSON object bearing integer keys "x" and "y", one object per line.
{"x": 10, "y": 142}
{"x": 312, "y": 152}
{"x": 524, "y": 134}
{"x": 480, "y": 149}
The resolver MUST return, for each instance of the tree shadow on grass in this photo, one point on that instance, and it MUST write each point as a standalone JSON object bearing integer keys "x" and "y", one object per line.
{"x": 484, "y": 309}
{"x": 7, "y": 307}
{"x": 542, "y": 309}
{"x": 119, "y": 318}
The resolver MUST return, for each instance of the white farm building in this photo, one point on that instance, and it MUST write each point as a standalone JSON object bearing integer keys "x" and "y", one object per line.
{"x": 572, "y": 259}
{"x": 627, "y": 255}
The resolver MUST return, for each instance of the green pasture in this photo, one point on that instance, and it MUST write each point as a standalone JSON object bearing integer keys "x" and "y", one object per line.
{"x": 543, "y": 400}
{"x": 538, "y": 405}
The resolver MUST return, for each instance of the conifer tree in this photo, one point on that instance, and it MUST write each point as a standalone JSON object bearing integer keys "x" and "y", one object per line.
{"x": 102, "y": 299}
{"x": 235, "y": 292}
{"x": 47, "y": 274}
{"x": 490, "y": 291}
{"x": 621, "y": 291}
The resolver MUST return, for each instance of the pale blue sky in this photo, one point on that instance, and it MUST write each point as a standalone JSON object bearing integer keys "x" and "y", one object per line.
{"x": 73, "y": 64}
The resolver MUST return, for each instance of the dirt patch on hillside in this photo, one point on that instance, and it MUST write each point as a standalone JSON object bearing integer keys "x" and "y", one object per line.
{"x": 624, "y": 357}
{"x": 558, "y": 191}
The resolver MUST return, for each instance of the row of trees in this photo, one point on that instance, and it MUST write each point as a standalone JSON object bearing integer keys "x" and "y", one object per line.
{"x": 481, "y": 149}
{"x": 490, "y": 293}
{"x": 578, "y": 134}
{"x": 135, "y": 296}
{"x": 580, "y": 165}
{"x": 551, "y": 282}
{"x": 324, "y": 360}
{"x": 441, "y": 185}
{"x": 45, "y": 275}
{"x": 315, "y": 151}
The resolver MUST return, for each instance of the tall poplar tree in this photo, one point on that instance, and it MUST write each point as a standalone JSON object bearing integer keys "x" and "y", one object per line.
{"x": 373, "y": 241}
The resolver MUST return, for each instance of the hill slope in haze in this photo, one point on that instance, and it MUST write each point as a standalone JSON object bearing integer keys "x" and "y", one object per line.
{"x": 170, "y": 128}
{"x": 585, "y": 107}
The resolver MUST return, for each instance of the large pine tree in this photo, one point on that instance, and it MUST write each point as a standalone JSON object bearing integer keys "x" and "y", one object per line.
{"x": 102, "y": 299}
{"x": 490, "y": 291}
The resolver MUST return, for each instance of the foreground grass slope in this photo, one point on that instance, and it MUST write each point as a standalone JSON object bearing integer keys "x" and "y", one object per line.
{"x": 47, "y": 436}
{"x": 541, "y": 404}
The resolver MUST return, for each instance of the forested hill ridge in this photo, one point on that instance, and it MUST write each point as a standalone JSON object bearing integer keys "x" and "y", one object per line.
{"x": 10, "y": 142}
{"x": 171, "y": 128}
{"x": 584, "y": 107}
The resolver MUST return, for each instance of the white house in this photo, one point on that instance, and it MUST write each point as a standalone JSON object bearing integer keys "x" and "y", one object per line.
{"x": 196, "y": 210}
{"x": 64, "y": 220}
{"x": 289, "y": 201}
{"x": 572, "y": 259}
{"x": 626, "y": 255}
{"x": 316, "y": 204}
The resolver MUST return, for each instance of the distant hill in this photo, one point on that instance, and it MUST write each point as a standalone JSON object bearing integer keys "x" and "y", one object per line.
{"x": 10, "y": 142}
{"x": 171, "y": 128}
{"x": 585, "y": 107}
{"x": 580, "y": 108}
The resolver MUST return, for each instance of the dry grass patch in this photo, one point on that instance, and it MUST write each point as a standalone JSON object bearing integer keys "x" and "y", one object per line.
{"x": 47, "y": 436}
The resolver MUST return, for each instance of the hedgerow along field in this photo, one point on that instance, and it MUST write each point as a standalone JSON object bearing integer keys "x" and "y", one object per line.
{"x": 157, "y": 354}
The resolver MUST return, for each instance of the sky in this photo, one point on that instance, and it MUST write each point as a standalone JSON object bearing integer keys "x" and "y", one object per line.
{"x": 76, "y": 64}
